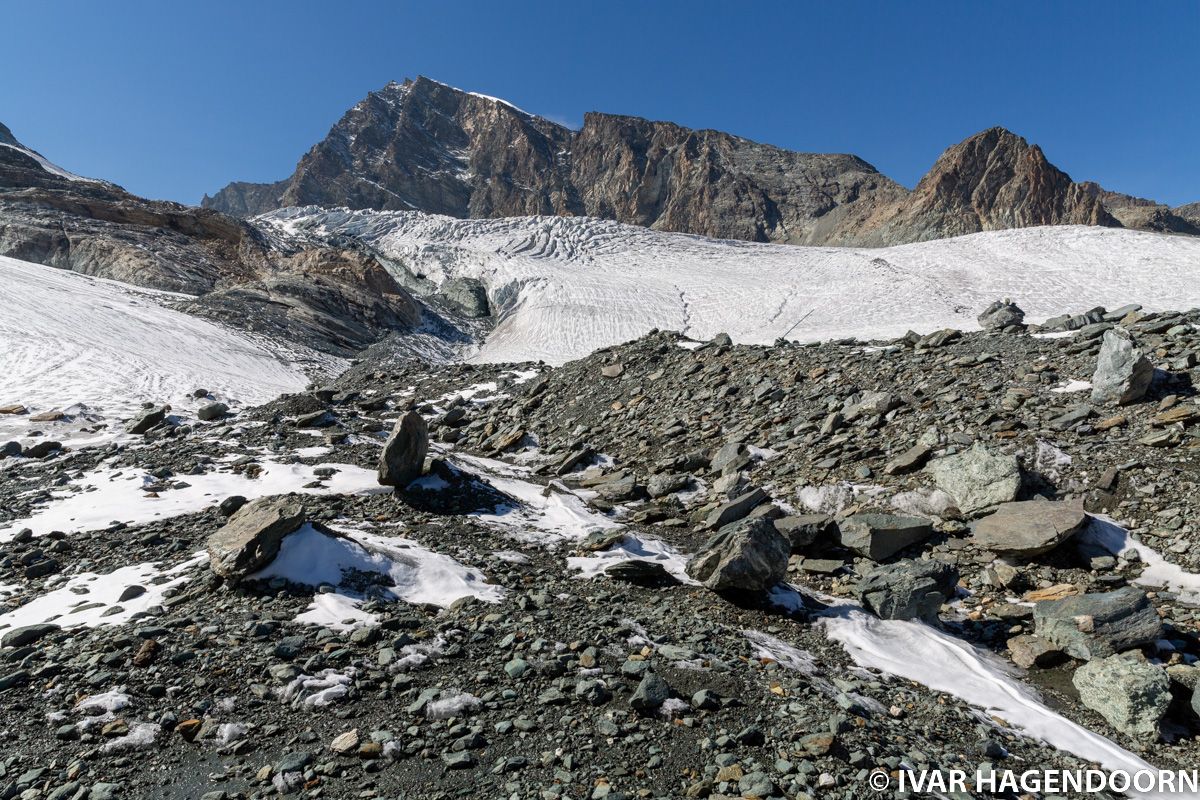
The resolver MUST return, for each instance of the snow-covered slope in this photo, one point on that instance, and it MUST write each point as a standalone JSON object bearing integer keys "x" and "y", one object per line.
{"x": 68, "y": 340}
{"x": 50, "y": 167}
{"x": 566, "y": 286}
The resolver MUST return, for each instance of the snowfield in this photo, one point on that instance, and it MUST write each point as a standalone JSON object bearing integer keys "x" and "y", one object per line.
{"x": 69, "y": 341}
{"x": 565, "y": 286}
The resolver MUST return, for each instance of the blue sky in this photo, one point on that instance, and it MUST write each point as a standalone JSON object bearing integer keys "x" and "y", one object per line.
{"x": 172, "y": 100}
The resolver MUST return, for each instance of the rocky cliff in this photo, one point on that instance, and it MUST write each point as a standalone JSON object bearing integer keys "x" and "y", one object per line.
{"x": 422, "y": 145}
{"x": 336, "y": 299}
{"x": 426, "y": 146}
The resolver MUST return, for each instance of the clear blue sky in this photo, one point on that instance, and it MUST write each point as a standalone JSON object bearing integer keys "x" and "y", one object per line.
{"x": 174, "y": 99}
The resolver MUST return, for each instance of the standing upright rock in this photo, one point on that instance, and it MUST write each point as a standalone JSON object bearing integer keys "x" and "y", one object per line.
{"x": 403, "y": 455}
{"x": 1123, "y": 372}
{"x": 749, "y": 555}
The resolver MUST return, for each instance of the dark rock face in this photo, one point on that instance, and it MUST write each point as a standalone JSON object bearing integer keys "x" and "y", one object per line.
{"x": 421, "y": 145}
{"x": 991, "y": 181}
{"x": 426, "y": 146}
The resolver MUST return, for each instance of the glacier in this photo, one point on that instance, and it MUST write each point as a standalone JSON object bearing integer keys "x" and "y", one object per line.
{"x": 566, "y": 286}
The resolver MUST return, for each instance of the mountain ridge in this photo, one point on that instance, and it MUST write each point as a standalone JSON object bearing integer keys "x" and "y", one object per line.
{"x": 427, "y": 146}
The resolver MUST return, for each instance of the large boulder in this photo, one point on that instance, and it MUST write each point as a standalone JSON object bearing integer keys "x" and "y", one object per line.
{"x": 403, "y": 455}
{"x": 1123, "y": 373}
{"x": 250, "y": 539}
{"x": 1029, "y": 528}
{"x": 750, "y": 555}
{"x": 1001, "y": 314}
{"x": 1090, "y": 626}
{"x": 908, "y": 589}
{"x": 878, "y": 536}
{"x": 1131, "y": 695}
{"x": 146, "y": 419}
{"x": 977, "y": 478}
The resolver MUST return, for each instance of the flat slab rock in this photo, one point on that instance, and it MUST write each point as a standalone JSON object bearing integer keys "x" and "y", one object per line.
{"x": 250, "y": 539}
{"x": 1029, "y": 528}
{"x": 879, "y": 536}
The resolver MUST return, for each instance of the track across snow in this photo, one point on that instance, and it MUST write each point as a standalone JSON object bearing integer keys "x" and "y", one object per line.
{"x": 565, "y": 286}
{"x": 68, "y": 340}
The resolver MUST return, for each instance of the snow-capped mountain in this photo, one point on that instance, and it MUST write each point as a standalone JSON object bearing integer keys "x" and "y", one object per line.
{"x": 424, "y": 146}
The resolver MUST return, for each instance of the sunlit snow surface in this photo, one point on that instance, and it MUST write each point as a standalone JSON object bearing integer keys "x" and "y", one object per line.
{"x": 105, "y": 496}
{"x": 414, "y": 574}
{"x": 68, "y": 339}
{"x": 565, "y": 286}
{"x": 909, "y": 649}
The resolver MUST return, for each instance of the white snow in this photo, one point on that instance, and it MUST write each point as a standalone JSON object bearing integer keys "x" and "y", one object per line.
{"x": 325, "y": 688}
{"x": 69, "y": 340}
{"x": 908, "y": 649}
{"x": 141, "y": 736}
{"x": 90, "y": 599}
{"x": 1159, "y": 573}
{"x": 541, "y": 513}
{"x": 107, "y": 495}
{"x": 50, "y": 167}
{"x": 312, "y": 558}
{"x": 564, "y": 287}
{"x": 454, "y": 706}
{"x": 1073, "y": 386}
{"x": 634, "y": 548}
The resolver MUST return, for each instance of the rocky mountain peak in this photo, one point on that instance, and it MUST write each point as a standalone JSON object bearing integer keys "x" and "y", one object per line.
{"x": 427, "y": 146}
{"x": 992, "y": 180}
{"x": 6, "y": 136}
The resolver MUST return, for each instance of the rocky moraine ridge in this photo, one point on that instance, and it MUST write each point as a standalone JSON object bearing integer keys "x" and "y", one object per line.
{"x": 421, "y": 145}
{"x": 672, "y": 563}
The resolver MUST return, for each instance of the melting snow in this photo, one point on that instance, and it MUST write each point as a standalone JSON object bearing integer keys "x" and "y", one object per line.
{"x": 907, "y": 649}
{"x": 312, "y": 558}
{"x": 1159, "y": 572}
{"x": 634, "y": 548}
{"x": 116, "y": 495}
{"x": 90, "y": 599}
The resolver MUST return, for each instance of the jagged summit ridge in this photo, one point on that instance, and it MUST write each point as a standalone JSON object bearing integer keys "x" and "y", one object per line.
{"x": 423, "y": 145}
{"x": 426, "y": 146}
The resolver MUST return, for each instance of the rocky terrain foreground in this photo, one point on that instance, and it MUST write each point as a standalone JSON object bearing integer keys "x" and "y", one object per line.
{"x": 669, "y": 569}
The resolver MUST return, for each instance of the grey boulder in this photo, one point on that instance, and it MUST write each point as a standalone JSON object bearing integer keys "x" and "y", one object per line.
{"x": 804, "y": 529}
{"x": 147, "y": 419}
{"x": 1091, "y": 626}
{"x": 212, "y": 411}
{"x": 908, "y": 589}
{"x": 1001, "y": 314}
{"x": 750, "y": 556}
{"x": 977, "y": 478}
{"x": 1123, "y": 373}
{"x": 251, "y": 538}
{"x": 403, "y": 456}
{"x": 1029, "y": 528}
{"x": 1131, "y": 695}
{"x": 879, "y": 536}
